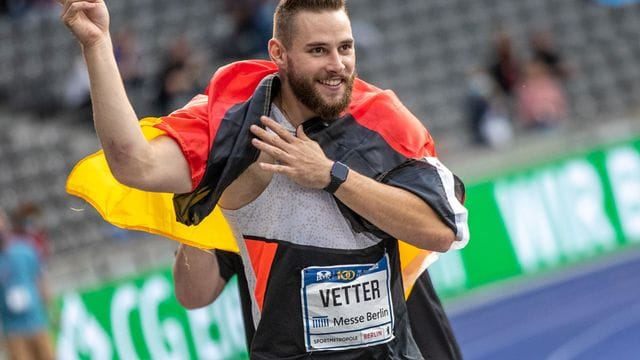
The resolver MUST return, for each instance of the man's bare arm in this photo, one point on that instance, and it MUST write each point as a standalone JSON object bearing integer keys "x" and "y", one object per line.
{"x": 196, "y": 277}
{"x": 158, "y": 165}
{"x": 396, "y": 211}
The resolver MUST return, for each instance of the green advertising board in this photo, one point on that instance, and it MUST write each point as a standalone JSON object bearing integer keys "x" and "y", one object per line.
{"x": 541, "y": 218}
{"x": 140, "y": 318}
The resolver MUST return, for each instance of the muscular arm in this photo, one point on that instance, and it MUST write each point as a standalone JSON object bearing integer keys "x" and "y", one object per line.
{"x": 396, "y": 211}
{"x": 153, "y": 166}
{"x": 196, "y": 277}
{"x": 158, "y": 165}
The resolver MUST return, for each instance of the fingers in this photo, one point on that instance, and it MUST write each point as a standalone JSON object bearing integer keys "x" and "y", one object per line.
{"x": 271, "y": 143}
{"x": 72, "y": 9}
{"x": 274, "y": 168}
{"x": 271, "y": 150}
{"x": 66, "y": 4}
{"x": 264, "y": 135}
{"x": 279, "y": 136}
{"x": 277, "y": 128}
{"x": 69, "y": 2}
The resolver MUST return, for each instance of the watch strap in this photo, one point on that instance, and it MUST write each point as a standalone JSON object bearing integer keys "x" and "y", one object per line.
{"x": 339, "y": 172}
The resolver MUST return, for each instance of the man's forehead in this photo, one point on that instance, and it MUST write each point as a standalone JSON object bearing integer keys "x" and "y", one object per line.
{"x": 329, "y": 26}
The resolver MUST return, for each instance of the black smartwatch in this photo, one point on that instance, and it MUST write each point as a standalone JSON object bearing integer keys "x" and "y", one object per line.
{"x": 339, "y": 172}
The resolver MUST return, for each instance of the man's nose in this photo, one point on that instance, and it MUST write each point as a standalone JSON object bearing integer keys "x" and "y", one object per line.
{"x": 336, "y": 62}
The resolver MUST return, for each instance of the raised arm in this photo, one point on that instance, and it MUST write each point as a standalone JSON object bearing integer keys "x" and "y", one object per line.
{"x": 158, "y": 165}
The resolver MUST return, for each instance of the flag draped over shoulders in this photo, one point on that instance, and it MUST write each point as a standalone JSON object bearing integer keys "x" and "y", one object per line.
{"x": 196, "y": 128}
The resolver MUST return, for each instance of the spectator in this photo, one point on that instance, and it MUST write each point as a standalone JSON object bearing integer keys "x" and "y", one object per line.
{"x": 27, "y": 224}
{"x": 127, "y": 56}
{"x": 252, "y": 23}
{"x": 22, "y": 298}
{"x": 76, "y": 93}
{"x": 545, "y": 51}
{"x": 479, "y": 92}
{"x": 485, "y": 113}
{"x": 540, "y": 99}
{"x": 505, "y": 65}
{"x": 178, "y": 77}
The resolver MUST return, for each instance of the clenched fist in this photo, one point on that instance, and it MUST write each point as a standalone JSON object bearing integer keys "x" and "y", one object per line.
{"x": 88, "y": 20}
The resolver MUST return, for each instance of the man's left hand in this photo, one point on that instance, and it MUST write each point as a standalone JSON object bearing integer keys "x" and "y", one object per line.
{"x": 297, "y": 156}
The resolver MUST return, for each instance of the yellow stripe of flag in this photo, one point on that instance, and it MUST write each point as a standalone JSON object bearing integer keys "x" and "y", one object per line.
{"x": 134, "y": 209}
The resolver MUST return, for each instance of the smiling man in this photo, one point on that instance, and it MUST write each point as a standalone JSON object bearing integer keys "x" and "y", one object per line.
{"x": 318, "y": 175}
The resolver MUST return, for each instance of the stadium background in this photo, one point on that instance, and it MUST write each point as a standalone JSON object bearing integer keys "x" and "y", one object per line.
{"x": 546, "y": 209}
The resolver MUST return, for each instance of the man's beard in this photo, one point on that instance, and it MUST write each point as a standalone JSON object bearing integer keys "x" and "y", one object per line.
{"x": 304, "y": 90}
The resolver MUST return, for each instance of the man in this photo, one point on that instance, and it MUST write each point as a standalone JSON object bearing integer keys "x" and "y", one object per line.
{"x": 316, "y": 193}
{"x": 22, "y": 298}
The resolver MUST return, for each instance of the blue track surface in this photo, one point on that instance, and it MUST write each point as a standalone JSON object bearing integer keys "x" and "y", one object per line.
{"x": 594, "y": 315}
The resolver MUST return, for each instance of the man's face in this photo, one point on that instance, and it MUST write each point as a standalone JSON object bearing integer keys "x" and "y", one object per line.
{"x": 321, "y": 62}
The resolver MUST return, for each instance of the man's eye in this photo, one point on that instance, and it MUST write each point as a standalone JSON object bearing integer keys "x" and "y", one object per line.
{"x": 317, "y": 50}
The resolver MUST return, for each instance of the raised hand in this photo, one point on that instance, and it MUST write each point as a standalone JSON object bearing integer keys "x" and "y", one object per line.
{"x": 88, "y": 20}
{"x": 298, "y": 157}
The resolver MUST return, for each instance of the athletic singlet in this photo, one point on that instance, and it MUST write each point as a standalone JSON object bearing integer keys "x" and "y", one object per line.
{"x": 318, "y": 287}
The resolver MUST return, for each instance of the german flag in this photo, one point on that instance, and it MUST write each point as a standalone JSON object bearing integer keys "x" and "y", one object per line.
{"x": 399, "y": 132}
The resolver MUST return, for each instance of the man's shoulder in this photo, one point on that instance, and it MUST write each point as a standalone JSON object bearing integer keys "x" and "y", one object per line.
{"x": 383, "y": 112}
{"x": 237, "y": 81}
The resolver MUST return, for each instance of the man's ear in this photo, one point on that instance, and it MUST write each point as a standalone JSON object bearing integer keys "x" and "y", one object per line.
{"x": 277, "y": 53}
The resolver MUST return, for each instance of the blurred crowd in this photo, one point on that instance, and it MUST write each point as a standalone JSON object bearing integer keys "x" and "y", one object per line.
{"x": 176, "y": 81}
{"x": 180, "y": 70}
{"x": 511, "y": 91}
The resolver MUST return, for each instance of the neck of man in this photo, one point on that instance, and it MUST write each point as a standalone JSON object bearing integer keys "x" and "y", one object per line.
{"x": 295, "y": 112}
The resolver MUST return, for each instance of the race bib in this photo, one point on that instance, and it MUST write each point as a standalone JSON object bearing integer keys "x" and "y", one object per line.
{"x": 18, "y": 299}
{"x": 347, "y": 306}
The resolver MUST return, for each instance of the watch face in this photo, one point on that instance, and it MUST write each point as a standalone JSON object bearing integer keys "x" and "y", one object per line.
{"x": 340, "y": 171}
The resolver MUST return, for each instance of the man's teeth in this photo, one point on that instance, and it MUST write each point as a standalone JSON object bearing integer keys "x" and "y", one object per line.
{"x": 334, "y": 82}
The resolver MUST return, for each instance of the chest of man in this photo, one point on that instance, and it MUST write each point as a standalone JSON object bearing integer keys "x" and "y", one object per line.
{"x": 325, "y": 285}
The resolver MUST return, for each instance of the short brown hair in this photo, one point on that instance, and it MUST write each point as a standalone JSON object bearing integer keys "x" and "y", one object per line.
{"x": 288, "y": 9}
